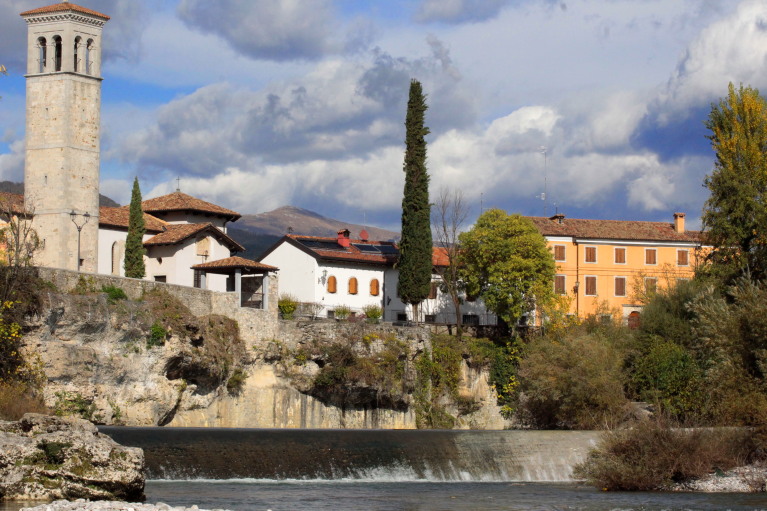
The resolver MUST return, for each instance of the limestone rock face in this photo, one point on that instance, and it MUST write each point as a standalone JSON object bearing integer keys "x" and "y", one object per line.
{"x": 44, "y": 458}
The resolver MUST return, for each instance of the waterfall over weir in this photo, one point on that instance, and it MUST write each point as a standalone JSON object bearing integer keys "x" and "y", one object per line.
{"x": 380, "y": 455}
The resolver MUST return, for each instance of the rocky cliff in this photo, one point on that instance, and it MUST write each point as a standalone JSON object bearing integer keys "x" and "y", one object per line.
{"x": 152, "y": 362}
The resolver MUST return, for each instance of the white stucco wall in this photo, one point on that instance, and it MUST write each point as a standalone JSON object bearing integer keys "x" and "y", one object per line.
{"x": 298, "y": 272}
{"x": 364, "y": 275}
{"x": 181, "y": 217}
{"x": 178, "y": 259}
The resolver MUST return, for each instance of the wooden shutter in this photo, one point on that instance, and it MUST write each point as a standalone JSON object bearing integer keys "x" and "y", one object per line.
{"x": 650, "y": 284}
{"x": 591, "y": 286}
{"x": 591, "y": 254}
{"x": 353, "y": 286}
{"x": 432, "y": 291}
{"x": 620, "y": 256}
{"x": 650, "y": 256}
{"x": 331, "y": 284}
{"x": 374, "y": 287}
{"x": 620, "y": 286}
{"x": 682, "y": 258}
{"x": 559, "y": 252}
{"x": 559, "y": 285}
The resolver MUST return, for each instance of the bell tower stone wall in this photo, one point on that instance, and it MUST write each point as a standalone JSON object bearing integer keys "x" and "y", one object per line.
{"x": 61, "y": 172}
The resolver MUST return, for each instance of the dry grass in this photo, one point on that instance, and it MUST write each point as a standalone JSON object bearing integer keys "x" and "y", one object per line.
{"x": 653, "y": 455}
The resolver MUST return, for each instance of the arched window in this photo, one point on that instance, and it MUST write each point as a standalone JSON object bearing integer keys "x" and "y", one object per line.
{"x": 43, "y": 54}
{"x": 76, "y": 62}
{"x": 331, "y": 284}
{"x": 57, "y": 55}
{"x": 353, "y": 286}
{"x": 375, "y": 287}
{"x": 88, "y": 48}
{"x": 115, "y": 258}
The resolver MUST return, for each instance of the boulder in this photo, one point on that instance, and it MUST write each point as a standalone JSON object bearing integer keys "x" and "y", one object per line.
{"x": 46, "y": 458}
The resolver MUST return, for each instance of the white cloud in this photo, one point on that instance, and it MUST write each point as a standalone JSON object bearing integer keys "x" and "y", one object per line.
{"x": 12, "y": 164}
{"x": 459, "y": 11}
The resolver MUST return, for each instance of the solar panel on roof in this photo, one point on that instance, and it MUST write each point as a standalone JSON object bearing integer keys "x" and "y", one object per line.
{"x": 322, "y": 245}
{"x": 367, "y": 249}
{"x": 388, "y": 249}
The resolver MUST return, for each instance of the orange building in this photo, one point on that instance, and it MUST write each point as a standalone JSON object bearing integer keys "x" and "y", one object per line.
{"x": 610, "y": 264}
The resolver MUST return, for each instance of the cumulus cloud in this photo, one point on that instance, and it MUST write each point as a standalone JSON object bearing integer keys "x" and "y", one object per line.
{"x": 459, "y": 11}
{"x": 122, "y": 39}
{"x": 268, "y": 29}
{"x": 12, "y": 163}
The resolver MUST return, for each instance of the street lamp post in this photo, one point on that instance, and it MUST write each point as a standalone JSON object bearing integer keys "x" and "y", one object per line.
{"x": 73, "y": 216}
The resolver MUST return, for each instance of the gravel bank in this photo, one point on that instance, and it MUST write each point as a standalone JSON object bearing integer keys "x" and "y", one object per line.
{"x": 84, "y": 505}
{"x": 748, "y": 479}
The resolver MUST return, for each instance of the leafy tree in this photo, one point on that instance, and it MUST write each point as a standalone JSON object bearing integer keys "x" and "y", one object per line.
{"x": 735, "y": 215}
{"x": 449, "y": 217}
{"x": 506, "y": 262}
{"x": 134, "y": 243}
{"x": 415, "y": 259}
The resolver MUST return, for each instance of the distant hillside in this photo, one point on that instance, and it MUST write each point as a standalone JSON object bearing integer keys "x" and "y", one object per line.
{"x": 259, "y": 232}
{"x": 10, "y": 187}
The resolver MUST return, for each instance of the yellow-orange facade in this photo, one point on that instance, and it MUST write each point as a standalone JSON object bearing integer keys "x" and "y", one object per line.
{"x": 609, "y": 265}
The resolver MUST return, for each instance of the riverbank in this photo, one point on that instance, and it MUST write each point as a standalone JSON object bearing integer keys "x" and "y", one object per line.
{"x": 83, "y": 505}
{"x": 747, "y": 479}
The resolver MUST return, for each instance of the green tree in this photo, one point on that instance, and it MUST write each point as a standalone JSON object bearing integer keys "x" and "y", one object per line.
{"x": 134, "y": 243}
{"x": 735, "y": 215}
{"x": 506, "y": 262}
{"x": 415, "y": 259}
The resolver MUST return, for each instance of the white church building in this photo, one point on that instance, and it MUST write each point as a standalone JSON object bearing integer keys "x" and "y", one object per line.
{"x": 186, "y": 238}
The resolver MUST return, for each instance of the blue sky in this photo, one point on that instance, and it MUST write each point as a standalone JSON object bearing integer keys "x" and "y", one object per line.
{"x": 255, "y": 104}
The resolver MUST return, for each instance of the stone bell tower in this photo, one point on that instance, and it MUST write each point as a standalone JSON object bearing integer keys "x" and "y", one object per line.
{"x": 61, "y": 172}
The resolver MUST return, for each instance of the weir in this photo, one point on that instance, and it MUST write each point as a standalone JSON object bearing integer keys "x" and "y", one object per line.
{"x": 380, "y": 455}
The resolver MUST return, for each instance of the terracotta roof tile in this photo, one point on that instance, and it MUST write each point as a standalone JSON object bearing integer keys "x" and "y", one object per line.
{"x": 118, "y": 217}
{"x": 233, "y": 263}
{"x": 64, "y": 6}
{"x": 12, "y": 202}
{"x": 614, "y": 230}
{"x": 178, "y": 201}
{"x": 176, "y": 233}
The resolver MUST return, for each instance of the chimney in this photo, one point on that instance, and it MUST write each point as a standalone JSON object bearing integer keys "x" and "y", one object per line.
{"x": 558, "y": 218}
{"x": 343, "y": 238}
{"x": 679, "y": 223}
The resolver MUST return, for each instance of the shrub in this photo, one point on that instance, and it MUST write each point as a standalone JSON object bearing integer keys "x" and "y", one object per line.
{"x": 573, "y": 381}
{"x": 236, "y": 381}
{"x": 85, "y": 286}
{"x": 114, "y": 293}
{"x": 73, "y": 403}
{"x": 287, "y": 305}
{"x": 342, "y": 312}
{"x": 653, "y": 455}
{"x": 157, "y": 335}
{"x": 373, "y": 313}
{"x": 503, "y": 360}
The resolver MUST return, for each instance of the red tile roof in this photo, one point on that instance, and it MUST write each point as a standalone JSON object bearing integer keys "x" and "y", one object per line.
{"x": 118, "y": 217}
{"x": 64, "y": 6}
{"x": 614, "y": 230}
{"x": 12, "y": 203}
{"x": 235, "y": 262}
{"x": 178, "y": 201}
{"x": 176, "y": 233}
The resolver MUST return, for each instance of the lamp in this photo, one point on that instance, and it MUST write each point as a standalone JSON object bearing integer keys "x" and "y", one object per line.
{"x": 73, "y": 216}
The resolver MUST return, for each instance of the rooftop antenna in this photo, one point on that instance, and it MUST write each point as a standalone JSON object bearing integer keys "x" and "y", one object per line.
{"x": 178, "y": 184}
{"x": 545, "y": 181}
{"x": 481, "y": 202}
{"x": 290, "y": 229}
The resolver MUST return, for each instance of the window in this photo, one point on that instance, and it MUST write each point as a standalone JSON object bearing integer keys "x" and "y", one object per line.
{"x": 430, "y": 318}
{"x": 331, "y": 314}
{"x": 620, "y": 255}
{"x": 160, "y": 278}
{"x": 683, "y": 257}
{"x": 559, "y": 252}
{"x": 591, "y": 255}
{"x": 57, "y": 58}
{"x": 650, "y": 285}
{"x": 76, "y": 61}
{"x": 633, "y": 320}
{"x": 559, "y": 285}
{"x": 375, "y": 287}
{"x": 115, "y": 258}
{"x": 433, "y": 291}
{"x": 591, "y": 286}
{"x": 332, "y": 284}
{"x": 650, "y": 256}
{"x": 42, "y": 54}
{"x": 88, "y": 48}
{"x": 197, "y": 278}
{"x": 402, "y": 316}
{"x": 620, "y": 286}
{"x": 470, "y": 319}
{"x": 353, "y": 286}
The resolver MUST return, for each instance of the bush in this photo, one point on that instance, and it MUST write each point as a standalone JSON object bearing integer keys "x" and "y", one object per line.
{"x": 342, "y": 312}
{"x": 503, "y": 360}
{"x": 652, "y": 455}
{"x": 114, "y": 293}
{"x": 573, "y": 381}
{"x": 236, "y": 381}
{"x": 157, "y": 335}
{"x": 73, "y": 403}
{"x": 287, "y": 305}
{"x": 373, "y": 313}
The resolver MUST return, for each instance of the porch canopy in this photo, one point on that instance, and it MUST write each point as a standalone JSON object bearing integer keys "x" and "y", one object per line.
{"x": 237, "y": 267}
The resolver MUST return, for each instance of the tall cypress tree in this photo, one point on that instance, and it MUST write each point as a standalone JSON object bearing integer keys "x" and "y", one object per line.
{"x": 134, "y": 243}
{"x": 415, "y": 249}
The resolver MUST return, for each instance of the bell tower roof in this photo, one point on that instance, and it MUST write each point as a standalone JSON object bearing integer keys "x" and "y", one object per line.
{"x": 64, "y": 7}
